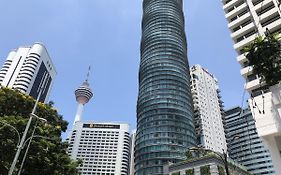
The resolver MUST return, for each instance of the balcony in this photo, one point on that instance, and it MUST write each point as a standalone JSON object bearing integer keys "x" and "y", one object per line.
{"x": 241, "y": 58}
{"x": 242, "y": 31}
{"x": 272, "y": 27}
{"x": 246, "y": 71}
{"x": 235, "y": 11}
{"x": 226, "y": 1}
{"x": 262, "y": 5}
{"x": 239, "y": 20}
{"x": 244, "y": 42}
{"x": 227, "y": 5}
{"x": 251, "y": 85}
{"x": 267, "y": 15}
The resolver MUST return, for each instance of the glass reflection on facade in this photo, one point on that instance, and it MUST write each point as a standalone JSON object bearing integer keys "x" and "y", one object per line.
{"x": 165, "y": 126}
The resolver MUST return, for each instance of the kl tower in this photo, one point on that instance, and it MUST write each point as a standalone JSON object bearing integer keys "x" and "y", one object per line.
{"x": 83, "y": 94}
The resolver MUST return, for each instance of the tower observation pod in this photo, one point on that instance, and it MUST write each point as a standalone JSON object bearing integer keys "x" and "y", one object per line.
{"x": 83, "y": 94}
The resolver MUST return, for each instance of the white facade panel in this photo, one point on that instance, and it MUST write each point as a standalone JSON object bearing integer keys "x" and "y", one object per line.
{"x": 132, "y": 150}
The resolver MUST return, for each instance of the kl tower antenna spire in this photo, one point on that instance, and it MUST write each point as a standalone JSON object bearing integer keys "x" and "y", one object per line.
{"x": 83, "y": 94}
{"x": 88, "y": 74}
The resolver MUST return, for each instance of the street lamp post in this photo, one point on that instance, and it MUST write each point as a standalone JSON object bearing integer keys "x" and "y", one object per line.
{"x": 29, "y": 143}
{"x": 29, "y": 139}
{"x": 27, "y": 127}
{"x": 6, "y": 124}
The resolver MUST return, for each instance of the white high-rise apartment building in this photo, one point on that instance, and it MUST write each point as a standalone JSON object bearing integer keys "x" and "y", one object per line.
{"x": 248, "y": 19}
{"x": 103, "y": 147}
{"x": 26, "y": 69}
{"x": 208, "y": 110}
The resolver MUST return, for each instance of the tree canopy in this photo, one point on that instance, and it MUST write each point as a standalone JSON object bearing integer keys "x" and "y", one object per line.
{"x": 48, "y": 153}
{"x": 264, "y": 54}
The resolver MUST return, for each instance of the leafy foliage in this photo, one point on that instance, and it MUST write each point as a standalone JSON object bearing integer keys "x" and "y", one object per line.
{"x": 221, "y": 170}
{"x": 189, "y": 172}
{"x": 177, "y": 173}
{"x": 189, "y": 155}
{"x": 264, "y": 54}
{"x": 205, "y": 170}
{"x": 46, "y": 155}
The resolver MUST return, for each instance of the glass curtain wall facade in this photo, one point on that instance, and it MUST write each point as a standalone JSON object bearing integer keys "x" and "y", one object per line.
{"x": 165, "y": 127}
{"x": 247, "y": 148}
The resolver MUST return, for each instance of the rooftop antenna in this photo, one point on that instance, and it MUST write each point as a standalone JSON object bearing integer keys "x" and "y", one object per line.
{"x": 88, "y": 74}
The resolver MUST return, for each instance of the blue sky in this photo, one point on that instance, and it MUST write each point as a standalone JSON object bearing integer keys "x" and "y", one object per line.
{"x": 106, "y": 35}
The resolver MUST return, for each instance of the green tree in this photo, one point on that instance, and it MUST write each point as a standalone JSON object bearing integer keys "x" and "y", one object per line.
{"x": 264, "y": 54}
{"x": 189, "y": 172}
{"x": 189, "y": 155}
{"x": 47, "y": 155}
{"x": 205, "y": 170}
{"x": 221, "y": 170}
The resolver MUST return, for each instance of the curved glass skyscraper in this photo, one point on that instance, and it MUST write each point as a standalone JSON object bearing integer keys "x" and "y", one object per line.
{"x": 165, "y": 126}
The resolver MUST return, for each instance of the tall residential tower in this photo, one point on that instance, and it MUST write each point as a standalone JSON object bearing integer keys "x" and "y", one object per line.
{"x": 25, "y": 69}
{"x": 165, "y": 126}
{"x": 208, "y": 110}
{"x": 248, "y": 19}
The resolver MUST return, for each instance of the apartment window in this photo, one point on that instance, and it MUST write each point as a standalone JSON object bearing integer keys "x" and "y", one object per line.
{"x": 245, "y": 36}
{"x": 271, "y": 20}
{"x": 255, "y": 2}
{"x": 226, "y": 2}
{"x": 265, "y": 9}
{"x": 235, "y": 6}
